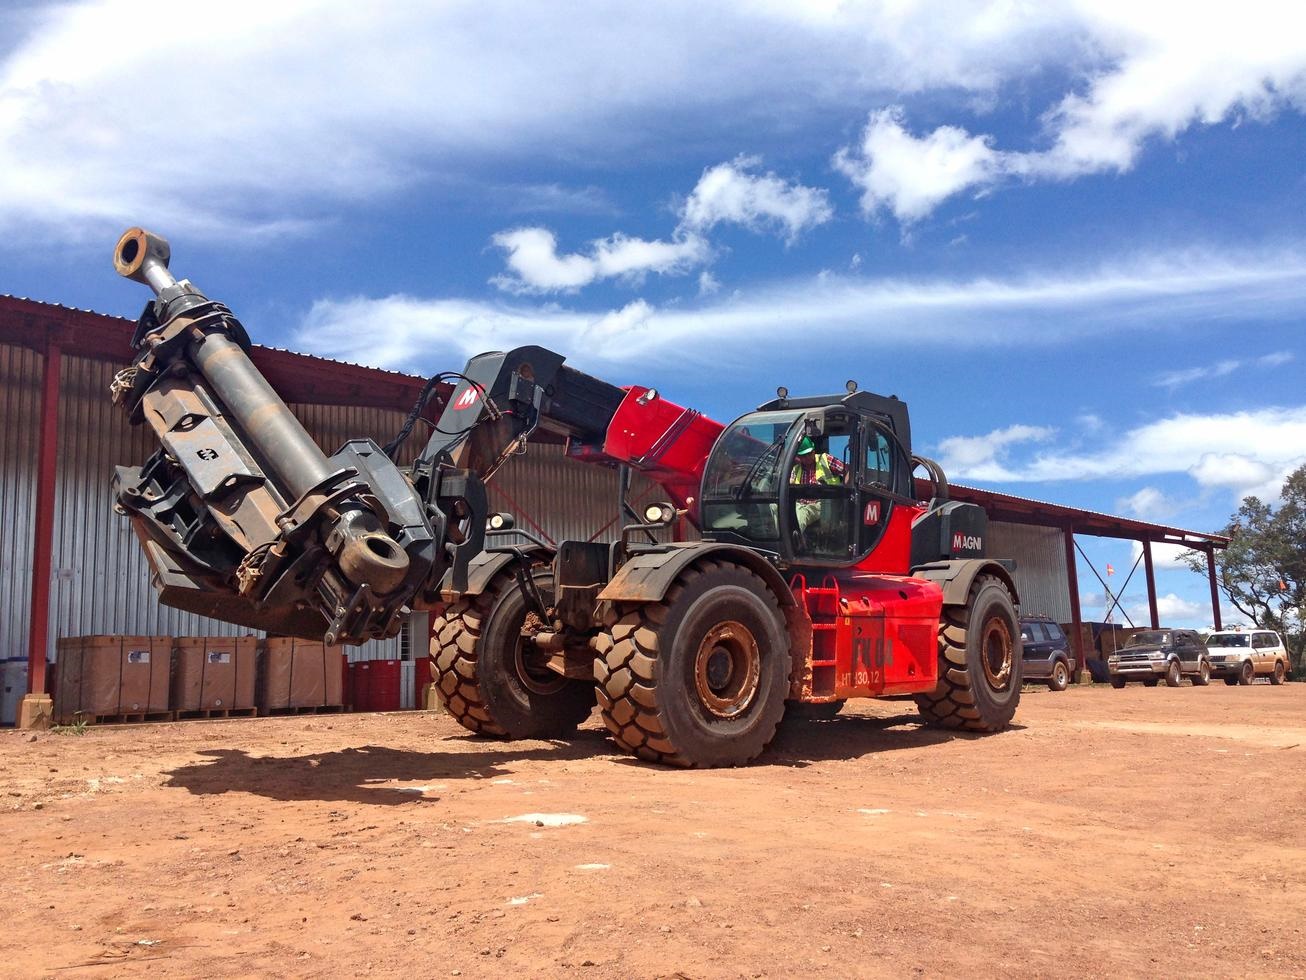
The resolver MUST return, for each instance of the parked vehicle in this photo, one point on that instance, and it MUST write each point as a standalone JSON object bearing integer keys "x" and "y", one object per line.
{"x": 1152, "y": 655}
{"x": 1240, "y": 656}
{"x": 1046, "y": 652}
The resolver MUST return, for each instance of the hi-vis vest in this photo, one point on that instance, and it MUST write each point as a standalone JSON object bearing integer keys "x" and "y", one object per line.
{"x": 827, "y": 470}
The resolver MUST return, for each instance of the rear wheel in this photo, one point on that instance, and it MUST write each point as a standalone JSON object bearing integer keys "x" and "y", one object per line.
{"x": 979, "y": 662}
{"x": 487, "y": 675}
{"x": 1279, "y": 673}
{"x": 1117, "y": 682}
{"x": 700, "y": 678}
{"x": 1247, "y": 673}
{"x": 1203, "y": 676}
{"x": 1174, "y": 674}
{"x": 1060, "y": 679}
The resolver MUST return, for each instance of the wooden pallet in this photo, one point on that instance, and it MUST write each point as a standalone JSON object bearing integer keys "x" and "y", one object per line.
{"x": 217, "y": 713}
{"x": 307, "y": 709}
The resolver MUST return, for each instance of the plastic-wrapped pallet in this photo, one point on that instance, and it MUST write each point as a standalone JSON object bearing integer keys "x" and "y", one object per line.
{"x": 300, "y": 674}
{"x": 112, "y": 677}
{"x": 214, "y": 673}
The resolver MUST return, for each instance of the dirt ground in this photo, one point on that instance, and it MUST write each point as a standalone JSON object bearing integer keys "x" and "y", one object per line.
{"x": 1136, "y": 832}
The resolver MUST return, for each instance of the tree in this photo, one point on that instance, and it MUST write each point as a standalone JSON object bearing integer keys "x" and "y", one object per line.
{"x": 1263, "y": 571}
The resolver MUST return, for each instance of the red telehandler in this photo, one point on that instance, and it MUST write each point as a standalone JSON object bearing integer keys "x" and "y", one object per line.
{"x": 799, "y": 590}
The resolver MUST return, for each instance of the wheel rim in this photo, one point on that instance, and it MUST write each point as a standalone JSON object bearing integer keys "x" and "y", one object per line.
{"x": 1248, "y": 672}
{"x": 727, "y": 669}
{"x": 996, "y": 652}
{"x": 534, "y": 676}
{"x": 1060, "y": 674}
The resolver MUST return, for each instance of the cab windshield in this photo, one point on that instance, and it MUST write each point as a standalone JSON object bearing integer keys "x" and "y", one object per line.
{"x": 742, "y": 479}
{"x": 1228, "y": 640}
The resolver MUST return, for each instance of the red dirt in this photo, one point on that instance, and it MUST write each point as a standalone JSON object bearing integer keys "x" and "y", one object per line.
{"x": 1139, "y": 832}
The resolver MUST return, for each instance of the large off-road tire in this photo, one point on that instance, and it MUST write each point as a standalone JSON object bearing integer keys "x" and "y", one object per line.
{"x": 1174, "y": 674}
{"x": 1246, "y": 673}
{"x": 480, "y": 675}
{"x": 1203, "y": 675}
{"x": 698, "y": 679}
{"x": 1279, "y": 673}
{"x": 1060, "y": 679}
{"x": 1118, "y": 683}
{"x": 979, "y": 662}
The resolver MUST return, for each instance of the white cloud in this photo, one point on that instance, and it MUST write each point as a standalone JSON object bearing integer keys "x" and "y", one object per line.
{"x": 619, "y": 323}
{"x": 1249, "y": 452}
{"x": 1163, "y": 555}
{"x": 729, "y": 193}
{"x": 981, "y": 457}
{"x": 1172, "y": 610}
{"x": 304, "y": 104}
{"x": 832, "y": 312}
{"x": 536, "y": 266}
{"x": 1149, "y": 504}
{"x": 275, "y": 112}
{"x": 911, "y": 176}
{"x": 1220, "y": 369}
{"x": 707, "y": 283}
{"x": 1161, "y": 68}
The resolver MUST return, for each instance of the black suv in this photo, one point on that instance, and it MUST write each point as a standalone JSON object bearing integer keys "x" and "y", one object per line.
{"x": 1151, "y": 655}
{"x": 1046, "y": 655}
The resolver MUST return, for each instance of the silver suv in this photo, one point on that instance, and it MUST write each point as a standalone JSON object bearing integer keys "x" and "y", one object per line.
{"x": 1240, "y": 656}
{"x": 1151, "y": 655}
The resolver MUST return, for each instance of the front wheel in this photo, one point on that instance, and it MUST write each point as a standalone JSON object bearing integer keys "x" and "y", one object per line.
{"x": 1174, "y": 674}
{"x": 699, "y": 679}
{"x": 1247, "y": 674}
{"x": 487, "y": 674}
{"x": 1279, "y": 673}
{"x": 979, "y": 662}
{"x": 1060, "y": 679}
{"x": 1118, "y": 683}
{"x": 1231, "y": 681}
{"x": 1203, "y": 676}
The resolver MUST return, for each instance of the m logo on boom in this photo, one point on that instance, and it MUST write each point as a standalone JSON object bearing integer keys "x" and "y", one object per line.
{"x": 467, "y": 399}
{"x": 967, "y": 542}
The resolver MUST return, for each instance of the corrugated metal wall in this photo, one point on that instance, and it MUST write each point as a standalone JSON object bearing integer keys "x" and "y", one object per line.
{"x": 1040, "y": 554}
{"x": 100, "y": 577}
{"x": 20, "y": 405}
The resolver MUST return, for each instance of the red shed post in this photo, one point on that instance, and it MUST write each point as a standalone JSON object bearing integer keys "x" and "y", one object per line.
{"x": 1076, "y": 623}
{"x": 1215, "y": 592}
{"x": 37, "y": 708}
{"x": 1151, "y": 583}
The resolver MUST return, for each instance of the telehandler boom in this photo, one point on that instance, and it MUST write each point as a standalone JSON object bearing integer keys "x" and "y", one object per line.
{"x": 818, "y": 576}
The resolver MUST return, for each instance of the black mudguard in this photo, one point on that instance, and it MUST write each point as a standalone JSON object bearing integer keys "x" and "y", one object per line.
{"x": 647, "y": 576}
{"x": 956, "y": 577}
{"x": 484, "y": 567}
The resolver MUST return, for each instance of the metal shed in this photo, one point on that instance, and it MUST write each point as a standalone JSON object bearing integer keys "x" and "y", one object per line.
{"x": 72, "y": 567}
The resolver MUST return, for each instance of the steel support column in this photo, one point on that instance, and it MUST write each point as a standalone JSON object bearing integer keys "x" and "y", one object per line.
{"x": 1215, "y": 592}
{"x": 38, "y": 636}
{"x": 1151, "y": 583}
{"x": 1076, "y": 623}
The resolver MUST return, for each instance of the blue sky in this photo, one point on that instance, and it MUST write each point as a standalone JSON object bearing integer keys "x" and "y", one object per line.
{"x": 1070, "y": 235}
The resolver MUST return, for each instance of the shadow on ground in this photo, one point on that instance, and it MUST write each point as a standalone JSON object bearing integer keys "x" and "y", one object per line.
{"x": 356, "y": 773}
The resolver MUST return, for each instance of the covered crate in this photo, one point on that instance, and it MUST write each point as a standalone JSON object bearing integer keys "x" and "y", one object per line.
{"x": 214, "y": 673}
{"x": 112, "y": 676}
{"x": 300, "y": 674}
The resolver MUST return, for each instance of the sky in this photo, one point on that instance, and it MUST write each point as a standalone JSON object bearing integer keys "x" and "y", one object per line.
{"x": 1070, "y": 235}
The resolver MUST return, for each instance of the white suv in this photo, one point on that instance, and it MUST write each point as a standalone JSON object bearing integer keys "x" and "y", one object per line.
{"x": 1240, "y": 656}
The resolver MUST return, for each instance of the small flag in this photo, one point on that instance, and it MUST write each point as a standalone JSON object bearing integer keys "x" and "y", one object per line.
{"x": 1110, "y": 569}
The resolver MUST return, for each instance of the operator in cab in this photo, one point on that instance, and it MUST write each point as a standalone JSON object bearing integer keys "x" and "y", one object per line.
{"x": 814, "y": 467}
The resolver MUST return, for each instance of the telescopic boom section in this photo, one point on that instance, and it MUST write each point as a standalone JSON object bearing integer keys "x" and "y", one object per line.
{"x": 504, "y": 397}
